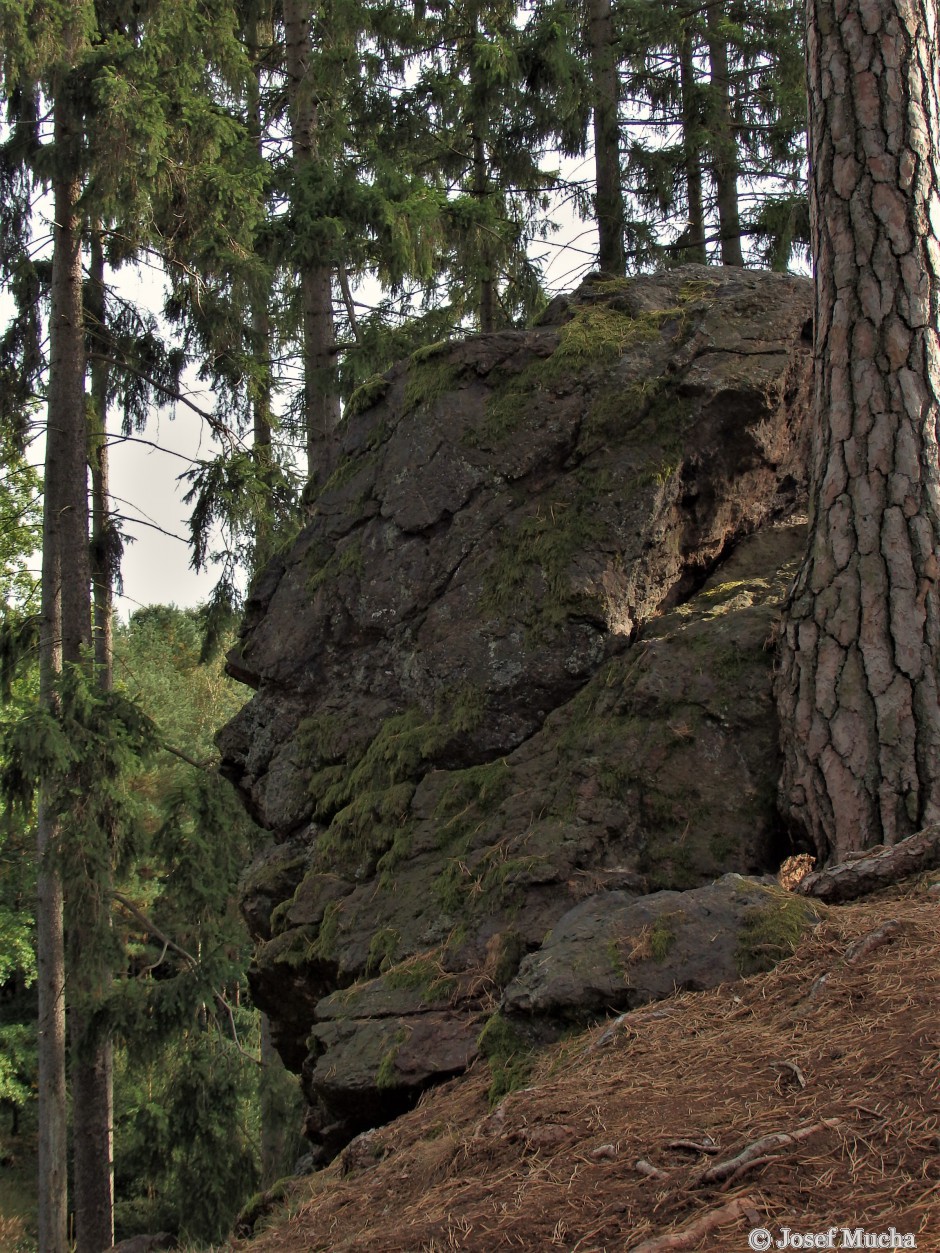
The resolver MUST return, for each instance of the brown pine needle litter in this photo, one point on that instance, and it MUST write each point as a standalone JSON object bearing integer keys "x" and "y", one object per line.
{"x": 756, "y": 1104}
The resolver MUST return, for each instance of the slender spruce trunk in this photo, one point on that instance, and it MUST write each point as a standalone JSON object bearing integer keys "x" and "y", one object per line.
{"x": 65, "y": 630}
{"x": 857, "y": 685}
{"x": 724, "y": 142}
{"x": 692, "y": 151}
{"x": 261, "y": 403}
{"x": 481, "y": 189}
{"x": 605, "y": 81}
{"x": 92, "y": 1054}
{"x": 321, "y": 399}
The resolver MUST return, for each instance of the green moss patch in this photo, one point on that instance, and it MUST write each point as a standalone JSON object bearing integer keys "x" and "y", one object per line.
{"x": 387, "y": 1074}
{"x": 430, "y": 376}
{"x": 346, "y": 558}
{"x": 366, "y": 395}
{"x": 771, "y": 932}
{"x": 424, "y": 973}
{"x": 541, "y": 549}
{"x": 509, "y": 1054}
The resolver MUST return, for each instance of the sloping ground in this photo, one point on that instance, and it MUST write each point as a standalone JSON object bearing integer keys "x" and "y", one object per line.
{"x": 846, "y": 1070}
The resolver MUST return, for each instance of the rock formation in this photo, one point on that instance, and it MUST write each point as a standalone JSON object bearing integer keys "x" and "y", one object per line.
{"x": 514, "y": 676}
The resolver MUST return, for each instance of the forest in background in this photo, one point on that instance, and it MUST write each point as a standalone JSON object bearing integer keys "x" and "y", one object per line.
{"x": 324, "y": 190}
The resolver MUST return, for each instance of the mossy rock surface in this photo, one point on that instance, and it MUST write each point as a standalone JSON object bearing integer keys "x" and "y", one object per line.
{"x": 518, "y": 660}
{"x": 616, "y": 951}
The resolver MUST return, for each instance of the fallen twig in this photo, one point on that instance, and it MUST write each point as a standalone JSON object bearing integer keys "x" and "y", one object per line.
{"x": 750, "y": 1165}
{"x": 690, "y": 1236}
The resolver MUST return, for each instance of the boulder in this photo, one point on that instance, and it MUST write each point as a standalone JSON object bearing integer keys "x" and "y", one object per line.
{"x": 616, "y": 951}
{"x": 517, "y": 660}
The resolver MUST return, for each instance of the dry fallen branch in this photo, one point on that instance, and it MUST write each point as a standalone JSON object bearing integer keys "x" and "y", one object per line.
{"x": 718, "y": 1172}
{"x": 689, "y": 1236}
{"x": 863, "y": 875}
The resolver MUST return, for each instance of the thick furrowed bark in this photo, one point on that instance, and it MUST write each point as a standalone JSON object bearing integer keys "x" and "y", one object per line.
{"x": 857, "y": 681}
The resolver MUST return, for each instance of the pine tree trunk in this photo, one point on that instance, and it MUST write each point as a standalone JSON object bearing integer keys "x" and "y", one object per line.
{"x": 857, "y": 682}
{"x": 724, "y": 143}
{"x": 692, "y": 152}
{"x": 605, "y": 81}
{"x": 92, "y": 1057}
{"x": 321, "y": 400}
{"x": 65, "y": 631}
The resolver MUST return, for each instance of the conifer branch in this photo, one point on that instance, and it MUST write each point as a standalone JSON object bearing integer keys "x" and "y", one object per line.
{"x": 190, "y": 761}
{"x": 152, "y": 928}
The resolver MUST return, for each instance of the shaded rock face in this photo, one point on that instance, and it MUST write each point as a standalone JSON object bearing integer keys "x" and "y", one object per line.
{"x": 517, "y": 660}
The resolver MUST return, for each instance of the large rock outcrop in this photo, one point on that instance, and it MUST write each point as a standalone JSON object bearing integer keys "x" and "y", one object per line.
{"x": 516, "y": 666}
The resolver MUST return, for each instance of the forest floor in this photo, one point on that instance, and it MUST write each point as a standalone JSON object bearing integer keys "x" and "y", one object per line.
{"x": 811, "y": 1094}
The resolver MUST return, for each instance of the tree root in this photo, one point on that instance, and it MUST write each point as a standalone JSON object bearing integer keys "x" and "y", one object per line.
{"x": 719, "y": 1172}
{"x": 874, "y": 869}
{"x": 690, "y": 1236}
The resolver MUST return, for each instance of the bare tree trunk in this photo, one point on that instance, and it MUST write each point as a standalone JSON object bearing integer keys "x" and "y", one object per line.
{"x": 724, "y": 143}
{"x": 692, "y": 152}
{"x": 321, "y": 400}
{"x": 857, "y": 682}
{"x": 605, "y": 80}
{"x": 92, "y": 1054}
{"x": 65, "y": 631}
